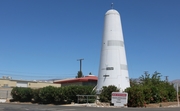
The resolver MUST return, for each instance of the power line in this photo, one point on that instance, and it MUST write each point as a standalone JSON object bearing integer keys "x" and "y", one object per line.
{"x": 25, "y": 72}
{"x": 35, "y": 77}
{"x": 12, "y": 73}
{"x": 32, "y": 76}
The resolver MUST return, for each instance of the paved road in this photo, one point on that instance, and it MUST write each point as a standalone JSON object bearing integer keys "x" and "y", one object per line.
{"x": 33, "y": 107}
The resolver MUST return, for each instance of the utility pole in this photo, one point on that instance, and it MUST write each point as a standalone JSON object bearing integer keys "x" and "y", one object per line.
{"x": 80, "y": 60}
{"x": 166, "y": 78}
{"x": 177, "y": 86}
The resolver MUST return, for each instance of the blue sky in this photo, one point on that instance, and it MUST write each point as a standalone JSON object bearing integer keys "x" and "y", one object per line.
{"x": 42, "y": 39}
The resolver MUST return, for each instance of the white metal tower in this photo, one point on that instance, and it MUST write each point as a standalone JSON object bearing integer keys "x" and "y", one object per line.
{"x": 113, "y": 68}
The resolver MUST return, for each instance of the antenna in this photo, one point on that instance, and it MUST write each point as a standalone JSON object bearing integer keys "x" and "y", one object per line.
{"x": 112, "y": 5}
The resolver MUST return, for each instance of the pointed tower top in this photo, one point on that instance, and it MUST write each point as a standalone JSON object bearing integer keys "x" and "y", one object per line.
{"x": 112, "y": 5}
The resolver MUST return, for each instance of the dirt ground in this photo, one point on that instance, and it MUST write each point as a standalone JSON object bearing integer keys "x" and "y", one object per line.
{"x": 164, "y": 104}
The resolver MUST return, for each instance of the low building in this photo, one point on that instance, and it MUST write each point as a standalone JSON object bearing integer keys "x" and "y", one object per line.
{"x": 90, "y": 80}
{"x": 5, "y": 83}
{"x": 8, "y": 83}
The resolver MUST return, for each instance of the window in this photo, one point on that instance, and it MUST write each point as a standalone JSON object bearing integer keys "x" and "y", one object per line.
{"x": 109, "y": 68}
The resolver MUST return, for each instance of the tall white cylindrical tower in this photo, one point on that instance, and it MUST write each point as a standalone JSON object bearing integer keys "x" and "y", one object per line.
{"x": 113, "y": 65}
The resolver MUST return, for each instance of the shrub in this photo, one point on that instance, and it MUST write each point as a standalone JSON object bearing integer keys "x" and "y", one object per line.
{"x": 46, "y": 94}
{"x": 106, "y": 92}
{"x": 59, "y": 96}
{"x": 15, "y": 93}
{"x": 135, "y": 97}
{"x": 36, "y": 97}
{"x": 51, "y": 94}
{"x": 150, "y": 89}
{"x": 21, "y": 94}
{"x": 72, "y": 92}
{"x": 147, "y": 94}
{"x": 171, "y": 92}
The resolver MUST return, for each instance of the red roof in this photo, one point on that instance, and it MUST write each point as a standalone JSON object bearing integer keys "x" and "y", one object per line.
{"x": 82, "y": 79}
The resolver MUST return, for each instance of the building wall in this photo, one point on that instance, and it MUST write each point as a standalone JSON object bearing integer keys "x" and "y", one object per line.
{"x": 74, "y": 83}
{"x": 22, "y": 84}
{"x": 42, "y": 84}
{"x": 13, "y": 83}
{"x": 91, "y": 83}
{"x": 7, "y": 83}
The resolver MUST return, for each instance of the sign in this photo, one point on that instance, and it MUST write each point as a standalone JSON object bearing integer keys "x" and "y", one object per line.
{"x": 119, "y": 99}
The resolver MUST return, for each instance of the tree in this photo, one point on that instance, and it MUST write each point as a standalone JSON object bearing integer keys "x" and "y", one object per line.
{"x": 79, "y": 74}
{"x": 147, "y": 79}
{"x": 150, "y": 89}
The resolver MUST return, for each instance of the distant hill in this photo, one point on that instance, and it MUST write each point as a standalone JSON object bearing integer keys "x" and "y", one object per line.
{"x": 176, "y": 81}
{"x": 173, "y": 81}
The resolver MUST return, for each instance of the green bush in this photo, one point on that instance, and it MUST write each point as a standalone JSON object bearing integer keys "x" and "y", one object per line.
{"x": 26, "y": 95}
{"x": 46, "y": 94}
{"x": 171, "y": 92}
{"x": 59, "y": 96}
{"x": 106, "y": 92}
{"x": 50, "y": 94}
{"x": 135, "y": 96}
{"x": 150, "y": 89}
{"x": 15, "y": 93}
{"x": 72, "y": 92}
{"x": 21, "y": 94}
{"x": 147, "y": 94}
{"x": 155, "y": 95}
{"x": 36, "y": 98}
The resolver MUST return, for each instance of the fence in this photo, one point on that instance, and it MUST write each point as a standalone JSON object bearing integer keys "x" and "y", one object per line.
{"x": 5, "y": 93}
{"x": 86, "y": 98}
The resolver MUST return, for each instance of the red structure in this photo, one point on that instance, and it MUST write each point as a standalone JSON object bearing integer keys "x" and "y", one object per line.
{"x": 87, "y": 80}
